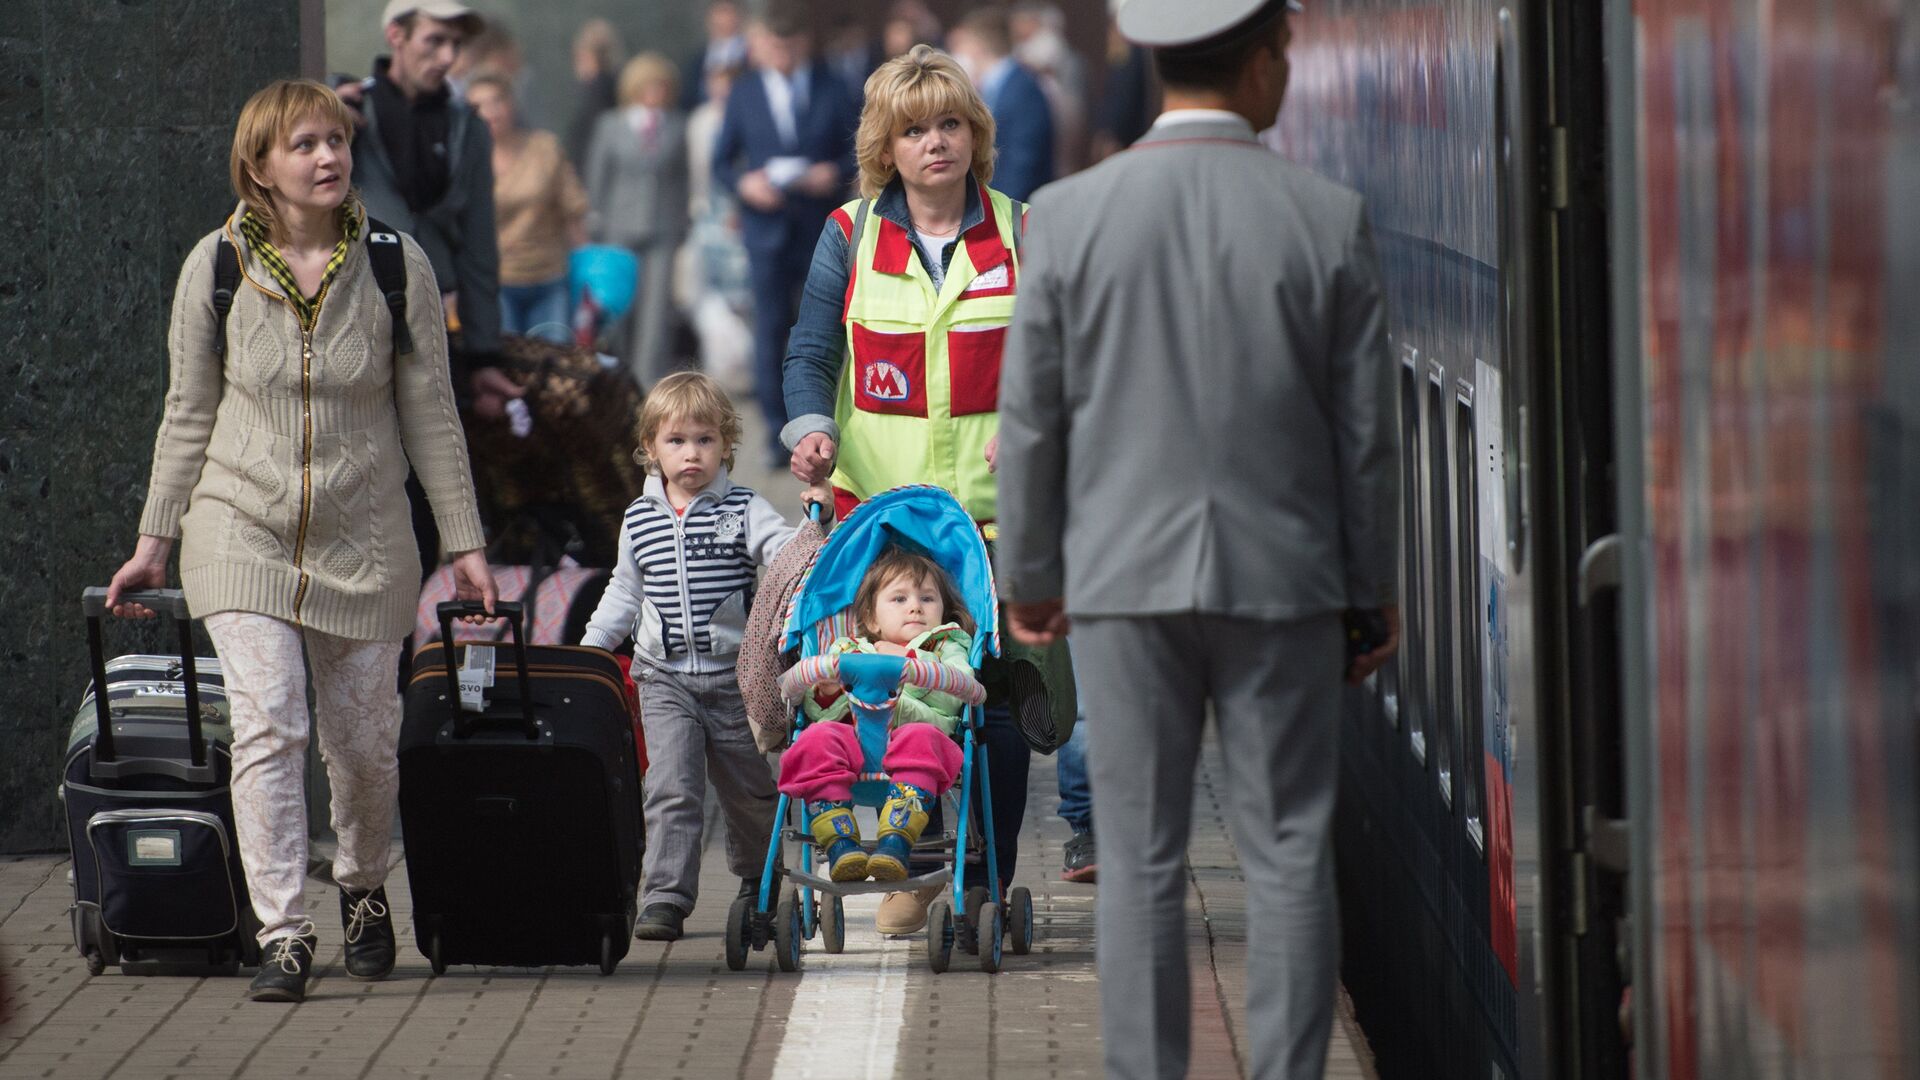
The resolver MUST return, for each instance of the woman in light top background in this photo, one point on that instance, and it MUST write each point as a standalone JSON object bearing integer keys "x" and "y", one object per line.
{"x": 540, "y": 212}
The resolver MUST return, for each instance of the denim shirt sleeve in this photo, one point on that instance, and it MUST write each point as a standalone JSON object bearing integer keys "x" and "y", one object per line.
{"x": 816, "y": 348}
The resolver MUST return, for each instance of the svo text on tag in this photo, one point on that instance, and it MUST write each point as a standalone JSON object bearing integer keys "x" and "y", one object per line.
{"x": 476, "y": 676}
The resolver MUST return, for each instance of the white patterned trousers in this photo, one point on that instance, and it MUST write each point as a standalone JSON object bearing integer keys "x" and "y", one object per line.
{"x": 357, "y": 714}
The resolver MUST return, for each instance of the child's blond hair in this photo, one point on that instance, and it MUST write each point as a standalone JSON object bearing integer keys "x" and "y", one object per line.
{"x": 687, "y": 395}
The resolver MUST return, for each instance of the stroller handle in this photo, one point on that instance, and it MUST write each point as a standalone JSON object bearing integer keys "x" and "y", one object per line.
{"x": 871, "y": 668}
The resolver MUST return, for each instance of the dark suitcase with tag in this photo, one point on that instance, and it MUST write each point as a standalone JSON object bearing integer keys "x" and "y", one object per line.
{"x": 522, "y": 821}
{"x": 157, "y": 882}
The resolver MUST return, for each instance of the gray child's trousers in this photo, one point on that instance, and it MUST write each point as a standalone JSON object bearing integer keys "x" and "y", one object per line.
{"x": 696, "y": 731}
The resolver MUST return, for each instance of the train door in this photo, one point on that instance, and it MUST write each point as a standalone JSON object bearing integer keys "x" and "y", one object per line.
{"x": 1571, "y": 485}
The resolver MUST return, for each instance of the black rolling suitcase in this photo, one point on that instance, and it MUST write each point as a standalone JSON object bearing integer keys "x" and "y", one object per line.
{"x": 522, "y": 821}
{"x": 157, "y": 885}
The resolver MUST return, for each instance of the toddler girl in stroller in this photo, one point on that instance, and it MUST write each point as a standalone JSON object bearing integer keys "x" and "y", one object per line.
{"x": 914, "y": 732}
{"x": 906, "y": 606}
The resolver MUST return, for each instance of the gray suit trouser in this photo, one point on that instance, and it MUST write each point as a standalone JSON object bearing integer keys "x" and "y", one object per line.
{"x": 1275, "y": 688}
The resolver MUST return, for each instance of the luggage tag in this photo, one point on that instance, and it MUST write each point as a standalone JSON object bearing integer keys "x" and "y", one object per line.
{"x": 476, "y": 675}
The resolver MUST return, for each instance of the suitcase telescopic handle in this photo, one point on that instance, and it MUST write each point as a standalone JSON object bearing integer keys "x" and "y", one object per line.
{"x": 173, "y": 604}
{"x": 515, "y": 614}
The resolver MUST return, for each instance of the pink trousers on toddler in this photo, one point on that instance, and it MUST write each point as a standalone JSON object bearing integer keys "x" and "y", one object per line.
{"x": 823, "y": 763}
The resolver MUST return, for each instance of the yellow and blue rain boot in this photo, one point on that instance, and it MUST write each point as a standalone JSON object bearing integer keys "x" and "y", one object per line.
{"x": 901, "y": 820}
{"x": 839, "y": 838}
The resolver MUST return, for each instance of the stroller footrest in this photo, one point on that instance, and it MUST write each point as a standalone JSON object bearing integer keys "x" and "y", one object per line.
{"x": 942, "y": 876}
{"x": 929, "y": 846}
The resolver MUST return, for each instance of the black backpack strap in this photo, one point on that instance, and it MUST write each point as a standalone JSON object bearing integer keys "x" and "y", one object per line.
{"x": 226, "y": 279}
{"x": 389, "y": 261}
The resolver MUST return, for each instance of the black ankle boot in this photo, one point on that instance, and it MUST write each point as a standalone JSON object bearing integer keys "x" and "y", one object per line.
{"x": 369, "y": 925}
{"x": 285, "y": 963}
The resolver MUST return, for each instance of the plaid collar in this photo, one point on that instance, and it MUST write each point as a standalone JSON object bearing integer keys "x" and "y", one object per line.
{"x": 306, "y": 307}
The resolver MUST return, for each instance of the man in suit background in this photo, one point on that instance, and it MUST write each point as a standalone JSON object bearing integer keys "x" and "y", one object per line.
{"x": 725, "y": 48}
{"x": 1022, "y": 119}
{"x": 1198, "y": 464}
{"x": 785, "y": 149}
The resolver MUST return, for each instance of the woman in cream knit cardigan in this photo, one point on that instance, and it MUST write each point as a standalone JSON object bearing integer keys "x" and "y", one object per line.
{"x": 281, "y": 469}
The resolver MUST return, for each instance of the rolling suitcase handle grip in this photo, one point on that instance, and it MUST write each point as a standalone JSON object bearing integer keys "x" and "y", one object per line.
{"x": 515, "y": 614}
{"x": 173, "y": 604}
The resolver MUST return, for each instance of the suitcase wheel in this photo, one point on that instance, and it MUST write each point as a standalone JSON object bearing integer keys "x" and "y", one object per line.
{"x": 434, "y": 956}
{"x": 95, "y": 962}
{"x": 607, "y": 961}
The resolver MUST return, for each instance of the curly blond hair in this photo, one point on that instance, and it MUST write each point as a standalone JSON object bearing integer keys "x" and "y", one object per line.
{"x": 922, "y": 83}
{"x": 686, "y": 395}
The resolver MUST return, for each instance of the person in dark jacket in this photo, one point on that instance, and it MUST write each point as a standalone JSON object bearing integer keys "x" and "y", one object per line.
{"x": 423, "y": 164}
{"x": 596, "y": 63}
{"x": 1023, "y": 121}
{"x": 786, "y": 151}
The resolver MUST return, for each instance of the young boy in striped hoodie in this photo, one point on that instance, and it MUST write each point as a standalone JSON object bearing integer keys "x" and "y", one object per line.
{"x": 690, "y": 550}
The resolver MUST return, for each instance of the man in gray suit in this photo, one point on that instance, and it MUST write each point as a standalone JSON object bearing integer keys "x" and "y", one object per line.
{"x": 1198, "y": 463}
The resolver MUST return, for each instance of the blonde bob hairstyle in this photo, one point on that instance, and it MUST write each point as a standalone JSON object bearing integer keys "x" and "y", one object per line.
{"x": 645, "y": 69}
{"x": 267, "y": 120}
{"x": 917, "y": 85}
{"x": 687, "y": 395}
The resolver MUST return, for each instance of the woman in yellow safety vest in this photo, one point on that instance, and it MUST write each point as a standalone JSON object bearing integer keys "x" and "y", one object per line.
{"x": 892, "y": 373}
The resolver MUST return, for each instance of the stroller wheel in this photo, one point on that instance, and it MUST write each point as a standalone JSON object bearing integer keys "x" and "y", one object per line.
{"x": 992, "y": 930}
{"x": 787, "y": 930}
{"x": 739, "y": 916}
{"x": 1020, "y": 920}
{"x": 939, "y": 935}
{"x": 833, "y": 924}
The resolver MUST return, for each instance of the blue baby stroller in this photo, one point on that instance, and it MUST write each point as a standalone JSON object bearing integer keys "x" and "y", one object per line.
{"x": 786, "y": 913}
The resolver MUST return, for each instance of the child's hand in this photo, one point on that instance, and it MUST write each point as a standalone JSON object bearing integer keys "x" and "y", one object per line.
{"x": 890, "y": 649}
{"x": 821, "y": 495}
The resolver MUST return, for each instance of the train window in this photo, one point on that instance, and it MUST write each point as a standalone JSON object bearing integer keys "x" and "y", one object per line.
{"x": 1440, "y": 618}
{"x": 1413, "y": 677}
{"x": 1472, "y": 623}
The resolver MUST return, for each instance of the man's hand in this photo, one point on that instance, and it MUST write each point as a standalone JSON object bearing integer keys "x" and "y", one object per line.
{"x": 820, "y": 180}
{"x": 758, "y": 192}
{"x": 491, "y": 389}
{"x": 993, "y": 454}
{"x": 1039, "y": 623}
{"x": 1367, "y": 663}
{"x": 812, "y": 461}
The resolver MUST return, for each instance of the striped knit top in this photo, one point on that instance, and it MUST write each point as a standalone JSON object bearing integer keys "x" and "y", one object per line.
{"x": 685, "y": 581}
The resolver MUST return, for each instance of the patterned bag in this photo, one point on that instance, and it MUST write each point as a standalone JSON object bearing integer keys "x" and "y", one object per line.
{"x": 574, "y": 469}
{"x": 761, "y": 662}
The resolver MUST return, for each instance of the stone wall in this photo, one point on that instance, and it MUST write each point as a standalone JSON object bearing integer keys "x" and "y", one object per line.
{"x": 115, "y": 123}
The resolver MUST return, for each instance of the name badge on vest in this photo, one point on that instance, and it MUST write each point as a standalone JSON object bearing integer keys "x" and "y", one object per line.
{"x": 995, "y": 279}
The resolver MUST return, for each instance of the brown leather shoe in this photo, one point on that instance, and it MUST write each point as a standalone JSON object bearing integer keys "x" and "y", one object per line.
{"x": 905, "y": 912}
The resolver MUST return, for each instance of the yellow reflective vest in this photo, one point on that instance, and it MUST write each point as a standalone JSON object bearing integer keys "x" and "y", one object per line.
{"x": 918, "y": 395}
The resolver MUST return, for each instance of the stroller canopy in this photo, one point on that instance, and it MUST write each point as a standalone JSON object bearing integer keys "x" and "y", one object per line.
{"x": 921, "y": 518}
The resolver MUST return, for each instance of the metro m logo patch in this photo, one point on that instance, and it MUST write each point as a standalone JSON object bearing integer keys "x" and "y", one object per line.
{"x": 889, "y": 372}
{"x": 884, "y": 381}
